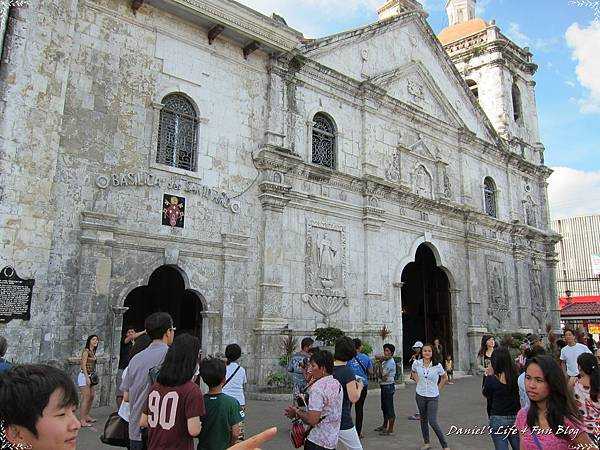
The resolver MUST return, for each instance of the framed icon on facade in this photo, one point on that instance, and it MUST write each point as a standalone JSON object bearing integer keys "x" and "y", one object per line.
{"x": 173, "y": 211}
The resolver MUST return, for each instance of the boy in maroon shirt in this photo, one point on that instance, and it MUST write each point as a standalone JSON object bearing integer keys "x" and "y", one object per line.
{"x": 175, "y": 404}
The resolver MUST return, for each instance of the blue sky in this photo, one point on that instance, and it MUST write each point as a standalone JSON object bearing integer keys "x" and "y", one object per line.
{"x": 565, "y": 42}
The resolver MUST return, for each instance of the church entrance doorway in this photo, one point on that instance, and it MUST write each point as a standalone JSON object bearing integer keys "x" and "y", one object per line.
{"x": 165, "y": 292}
{"x": 426, "y": 311}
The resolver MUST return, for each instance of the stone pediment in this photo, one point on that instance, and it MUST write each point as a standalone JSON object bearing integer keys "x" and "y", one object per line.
{"x": 420, "y": 149}
{"x": 411, "y": 83}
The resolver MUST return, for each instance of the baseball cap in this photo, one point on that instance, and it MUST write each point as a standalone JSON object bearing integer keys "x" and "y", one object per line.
{"x": 418, "y": 344}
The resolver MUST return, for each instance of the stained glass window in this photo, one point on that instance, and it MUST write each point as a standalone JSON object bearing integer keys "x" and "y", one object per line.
{"x": 323, "y": 141}
{"x": 177, "y": 131}
{"x": 489, "y": 192}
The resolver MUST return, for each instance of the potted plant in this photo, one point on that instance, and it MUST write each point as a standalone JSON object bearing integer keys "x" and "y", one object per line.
{"x": 287, "y": 345}
{"x": 384, "y": 332}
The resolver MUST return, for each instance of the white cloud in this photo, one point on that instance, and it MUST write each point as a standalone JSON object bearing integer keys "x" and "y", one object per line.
{"x": 585, "y": 43}
{"x": 573, "y": 192}
{"x": 310, "y": 16}
{"x": 536, "y": 44}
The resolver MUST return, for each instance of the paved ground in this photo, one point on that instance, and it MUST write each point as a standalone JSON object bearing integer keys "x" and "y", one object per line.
{"x": 461, "y": 405}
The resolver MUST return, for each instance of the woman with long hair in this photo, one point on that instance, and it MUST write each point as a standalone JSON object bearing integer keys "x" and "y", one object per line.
{"x": 87, "y": 379}
{"x": 586, "y": 388}
{"x": 552, "y": 420}
{"x": 502, "y": 390}
{"x": 484, "y": 357}
{"x": 175, "y": 402}
{"x": 430, "y": 377}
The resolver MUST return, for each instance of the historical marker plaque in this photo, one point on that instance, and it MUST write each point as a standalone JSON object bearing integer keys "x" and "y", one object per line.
{"x": 15, "y": 296}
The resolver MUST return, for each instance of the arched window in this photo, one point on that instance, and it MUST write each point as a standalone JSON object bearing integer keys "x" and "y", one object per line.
{"x": 323, "y": 141}
{"x": 177, "y": 131}
{"x": 516, "y": 101}
{"x": 473, "y": 87}
{"x": 489, "y": 196}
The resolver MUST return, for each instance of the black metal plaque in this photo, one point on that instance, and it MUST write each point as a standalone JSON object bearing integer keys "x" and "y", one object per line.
{"x": 15, "y": 296}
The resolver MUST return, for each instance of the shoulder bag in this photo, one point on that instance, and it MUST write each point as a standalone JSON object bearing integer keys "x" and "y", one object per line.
{"x": 232, "y": 375}
{"x": 116, "y": 431}
{"x": 94, "y": 380}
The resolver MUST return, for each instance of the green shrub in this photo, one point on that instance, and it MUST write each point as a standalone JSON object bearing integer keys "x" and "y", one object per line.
{"x": 367, "y": 348}
{"x": 328, "y": 335}
{"x": 277, "y": 379}
{"x": 284, "y": 360}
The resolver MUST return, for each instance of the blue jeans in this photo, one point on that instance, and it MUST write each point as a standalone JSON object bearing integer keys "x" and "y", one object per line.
{"x": 387, "y": 401}
{"x": 502, "y": 432}
{"x": 136, "y": 445}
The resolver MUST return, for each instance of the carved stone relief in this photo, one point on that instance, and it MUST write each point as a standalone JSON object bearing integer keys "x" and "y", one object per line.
{"x": 447, "y": 185}
{"x": 498, "y": 307}
{"x": 538, "y": 303}
{"x": 392, "y": 172}
{"x": 416, "y": 91}
{"x": 422, "y": 181}
{"x": 530, "y": 211}
{"x": 325, "y": 264}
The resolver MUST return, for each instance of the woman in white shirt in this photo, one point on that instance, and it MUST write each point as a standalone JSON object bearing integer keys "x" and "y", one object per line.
{"x": 427, "y": 373}
{"x": 235, "y": 381}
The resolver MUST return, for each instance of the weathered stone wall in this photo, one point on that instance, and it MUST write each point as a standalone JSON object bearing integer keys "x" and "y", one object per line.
{"x": 81, "y": 102}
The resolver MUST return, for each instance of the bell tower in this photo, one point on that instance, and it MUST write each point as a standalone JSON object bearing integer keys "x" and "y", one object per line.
{"x": 499, "y": 74}
{"x": 460, "y": 11}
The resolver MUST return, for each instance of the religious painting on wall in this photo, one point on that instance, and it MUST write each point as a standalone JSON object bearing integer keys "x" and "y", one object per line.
{"x": 173, "y": 211}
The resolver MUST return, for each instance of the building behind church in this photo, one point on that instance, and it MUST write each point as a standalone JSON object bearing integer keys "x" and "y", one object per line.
{"x": 197, "y": 157}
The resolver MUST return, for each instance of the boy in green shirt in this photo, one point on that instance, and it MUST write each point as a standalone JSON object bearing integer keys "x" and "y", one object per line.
{"x": 220, "y": 426}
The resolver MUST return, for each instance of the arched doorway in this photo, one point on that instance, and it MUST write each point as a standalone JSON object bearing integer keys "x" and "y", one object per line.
{"x": 166, "y": 292}
{"x": 426, "y": 312}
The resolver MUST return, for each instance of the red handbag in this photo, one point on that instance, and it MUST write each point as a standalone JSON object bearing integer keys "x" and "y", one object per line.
{"x": 298, "y": 433}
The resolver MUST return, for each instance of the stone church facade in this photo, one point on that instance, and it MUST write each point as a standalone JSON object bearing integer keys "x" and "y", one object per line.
{"x": 198, "y": 157}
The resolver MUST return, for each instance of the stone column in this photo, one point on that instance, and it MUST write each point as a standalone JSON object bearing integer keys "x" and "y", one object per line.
{"x": 270, "y": 321}
{"x": 475, "y": 329}
{"x": 275, "y": 132}
{"x": 554, "y": 310}
{"x": 372, "y": 221}
{"x": 466, "y": 191}
{"x": 460, "y": 342}
{"x": 92, "y": 312}
{"x": 210, "y": 321}
{"x": 115, "y": 347}
{"x": 439, "y": 179}
{"x": 397, "y": 312}
{"x": 234, "y": 283}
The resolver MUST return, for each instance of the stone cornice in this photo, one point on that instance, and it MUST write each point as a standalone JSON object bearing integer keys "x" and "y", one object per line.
{"x": 237, "y": 18}
{"x": 329, "y": 43}
{"x": 489, "y": 41}
{"x": 270, "y": 158}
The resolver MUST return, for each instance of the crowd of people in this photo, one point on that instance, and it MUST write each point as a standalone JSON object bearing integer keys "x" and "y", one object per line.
{"x": 326, "y": 386}
{"x": 159, "y": 398}
{"x": 546, "y": 397}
